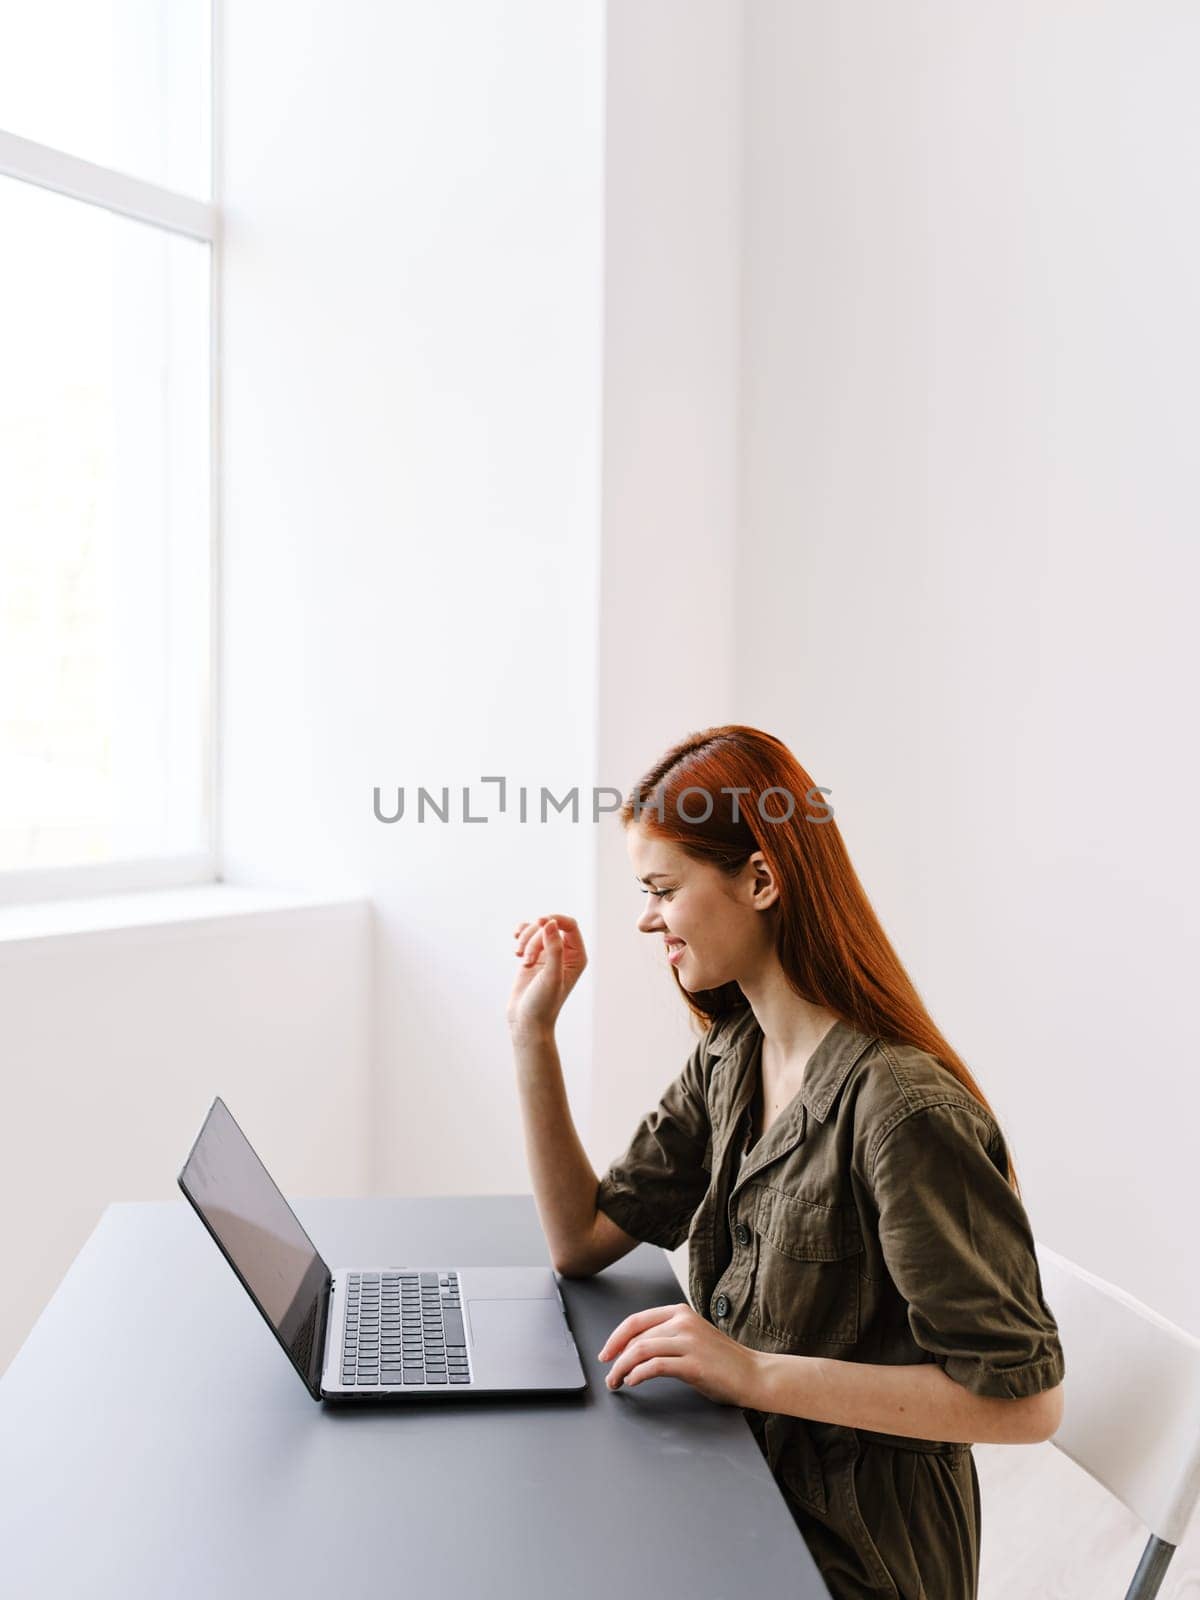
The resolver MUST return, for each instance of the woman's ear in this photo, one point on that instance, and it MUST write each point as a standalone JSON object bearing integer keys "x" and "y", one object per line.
{"x": 765, "y": 889}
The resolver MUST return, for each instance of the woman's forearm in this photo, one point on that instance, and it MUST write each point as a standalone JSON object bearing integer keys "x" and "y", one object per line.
{"x": 564, "y": 1181}
{"x": 919, "y": 1401}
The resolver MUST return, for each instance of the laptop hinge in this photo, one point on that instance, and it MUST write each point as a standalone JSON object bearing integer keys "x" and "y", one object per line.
{"x": 323, "y": 1311}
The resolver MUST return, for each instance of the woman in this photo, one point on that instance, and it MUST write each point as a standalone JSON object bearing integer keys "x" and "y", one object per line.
{"x": 861, "y": 1265}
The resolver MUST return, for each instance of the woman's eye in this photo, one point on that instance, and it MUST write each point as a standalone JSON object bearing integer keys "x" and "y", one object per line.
{"x": 659, "y": 894}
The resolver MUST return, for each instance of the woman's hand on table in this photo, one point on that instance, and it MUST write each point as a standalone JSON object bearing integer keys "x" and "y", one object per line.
{"x": 676, "y": 1342}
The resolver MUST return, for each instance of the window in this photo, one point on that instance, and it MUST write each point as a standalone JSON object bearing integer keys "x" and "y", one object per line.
{"x": 107, "y": 438}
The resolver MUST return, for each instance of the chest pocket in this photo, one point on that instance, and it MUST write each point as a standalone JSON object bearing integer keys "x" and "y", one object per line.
{"x": 805, "y": 1288}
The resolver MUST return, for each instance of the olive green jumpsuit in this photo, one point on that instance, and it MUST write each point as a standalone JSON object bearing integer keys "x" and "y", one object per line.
{"x": 873, "y": 1221}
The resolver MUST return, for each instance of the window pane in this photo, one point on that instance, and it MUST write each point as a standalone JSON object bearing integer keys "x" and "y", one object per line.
{"x": 104, "y": 535}
{"x": 123, "y": 83}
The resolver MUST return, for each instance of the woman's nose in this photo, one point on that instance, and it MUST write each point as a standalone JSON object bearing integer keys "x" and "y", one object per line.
{"x": 650, "y": 920}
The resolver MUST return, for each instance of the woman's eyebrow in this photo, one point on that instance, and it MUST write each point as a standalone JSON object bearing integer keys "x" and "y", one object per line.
{"x": 651, "y": 875}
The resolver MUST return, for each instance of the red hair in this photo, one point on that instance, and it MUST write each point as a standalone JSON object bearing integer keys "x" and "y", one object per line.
{"x": 828, "y": 939}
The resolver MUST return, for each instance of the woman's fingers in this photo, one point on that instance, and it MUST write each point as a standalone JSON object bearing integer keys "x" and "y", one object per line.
{"x": 525, "y": 931}
{"x": 563, "y": 920}
{"x": 636, "y": 1322}
{"x": 648, "y": 1350}
{"x": 547, "y": 940}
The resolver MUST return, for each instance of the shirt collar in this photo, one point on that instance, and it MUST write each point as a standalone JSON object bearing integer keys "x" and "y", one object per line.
{"x": 737, "y": 1039}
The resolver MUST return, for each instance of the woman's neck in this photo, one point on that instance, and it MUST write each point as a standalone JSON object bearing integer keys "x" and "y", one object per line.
{"x": 792, "y": 1028}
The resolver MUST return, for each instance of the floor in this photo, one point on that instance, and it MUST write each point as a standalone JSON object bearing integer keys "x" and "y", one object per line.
{"x": 1051, "y": 1533}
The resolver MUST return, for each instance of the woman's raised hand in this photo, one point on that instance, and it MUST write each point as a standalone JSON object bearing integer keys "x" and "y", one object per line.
{"x": 551, "y": 957}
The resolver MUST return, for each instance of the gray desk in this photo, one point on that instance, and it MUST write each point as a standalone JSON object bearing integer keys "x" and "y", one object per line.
{"x": 156, "y": 1442}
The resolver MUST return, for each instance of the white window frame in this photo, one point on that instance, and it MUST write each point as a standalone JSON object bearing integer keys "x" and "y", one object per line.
{"x": 48, "y": 168}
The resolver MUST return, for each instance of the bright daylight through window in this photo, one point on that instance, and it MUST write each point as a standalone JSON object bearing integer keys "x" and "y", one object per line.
{"x": 107, "y": 237}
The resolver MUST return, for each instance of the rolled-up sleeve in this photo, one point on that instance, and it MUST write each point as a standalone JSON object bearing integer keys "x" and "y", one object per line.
{"x": 654, "y": 1189}
{"x": 959, "y": 1247}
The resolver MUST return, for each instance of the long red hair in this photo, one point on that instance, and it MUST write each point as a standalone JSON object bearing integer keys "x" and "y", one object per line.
{"x": 827, "y": 937}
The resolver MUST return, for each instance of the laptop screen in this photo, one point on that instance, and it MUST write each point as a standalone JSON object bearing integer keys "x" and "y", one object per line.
{"x": 261, "y": 1237}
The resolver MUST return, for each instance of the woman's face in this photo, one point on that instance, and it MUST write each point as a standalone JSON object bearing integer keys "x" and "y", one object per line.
{"x": 713, "y": 926}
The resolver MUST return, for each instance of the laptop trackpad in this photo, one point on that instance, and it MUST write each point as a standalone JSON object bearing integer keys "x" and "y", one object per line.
{"x": 523, "y": 1344}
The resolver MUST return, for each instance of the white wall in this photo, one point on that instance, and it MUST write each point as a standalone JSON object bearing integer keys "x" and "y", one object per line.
{"x": 969, "y": 548}
{"x": 411, "y": 429}
{"x": 115, "y": 1044}
{"x": 591, "y": 374}
{"x": 671, "y": 353}
{"x": 436, "y": 298}
{"x": 879, "y": 445}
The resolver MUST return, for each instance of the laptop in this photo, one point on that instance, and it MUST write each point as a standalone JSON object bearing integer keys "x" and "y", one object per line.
{"x": 375, "y": 1333}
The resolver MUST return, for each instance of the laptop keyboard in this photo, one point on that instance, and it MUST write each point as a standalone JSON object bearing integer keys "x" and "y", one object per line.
{"x": 404, "y": 1328}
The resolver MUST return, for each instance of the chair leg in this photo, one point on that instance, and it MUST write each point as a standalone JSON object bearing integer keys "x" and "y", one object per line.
{"x": 1151, "y": 1570}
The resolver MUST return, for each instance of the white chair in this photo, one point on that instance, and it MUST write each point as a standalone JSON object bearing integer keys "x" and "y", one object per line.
{"x": 1131, "y": 1415}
